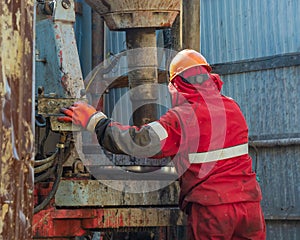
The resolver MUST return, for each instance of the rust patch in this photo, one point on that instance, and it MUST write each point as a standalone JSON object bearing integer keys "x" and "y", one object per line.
{"x": 16, "y": 123}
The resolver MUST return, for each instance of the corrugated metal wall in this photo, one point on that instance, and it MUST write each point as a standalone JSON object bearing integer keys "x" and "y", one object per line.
{"x": 232, "y": 30}
{"x": 235, "y": 30}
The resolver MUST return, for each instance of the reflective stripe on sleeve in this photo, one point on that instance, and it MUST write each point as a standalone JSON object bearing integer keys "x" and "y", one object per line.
{"x": 159, "y": 130}
{"x": 221, "y": 154}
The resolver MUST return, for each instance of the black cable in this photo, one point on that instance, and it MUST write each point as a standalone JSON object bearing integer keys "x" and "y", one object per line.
{"x": 40, "y": 120}
{"x": 47, "y": 132}
{"x": 50, "y": 171}
{"x": 59, "y": 171}
{"x": 46, "y": 160}
{"x": 45, "y": 175}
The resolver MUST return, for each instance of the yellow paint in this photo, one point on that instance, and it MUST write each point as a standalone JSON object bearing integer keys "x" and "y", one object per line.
{"x": 18, "y": 17}
{"x": 28, "y": 137}
{"x": 28, "y": 48}
{"x": 13, "y": 55}
{"x": 14, "y": 46}
{"x": 6, "y": 157}
{"x": 4, "y": 211}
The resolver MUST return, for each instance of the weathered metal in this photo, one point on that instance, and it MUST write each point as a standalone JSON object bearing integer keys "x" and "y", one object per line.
{"x": 91, "y": 193}
{"x": 95, "y": 155}
{"x": 97, "y": 39}
{"x": 258, "y": 64}
{"x": 191, "y": 24}
{"x": 97, "y": 54}
{"x": 142, "y": 74}
{"x": 93, "y": 199}
{"x": 50, "y": 107}
{"x": 61, "y": 73}
{"x": 16, "y": 121}
{"x": 78, "y": 222}
{"x": 140, "y": 19}
{"x": 137, "y": 13}
{"x": 281, "y": 142}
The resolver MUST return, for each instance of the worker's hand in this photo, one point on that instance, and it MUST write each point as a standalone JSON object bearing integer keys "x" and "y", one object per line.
{"x": 82, "y": 114}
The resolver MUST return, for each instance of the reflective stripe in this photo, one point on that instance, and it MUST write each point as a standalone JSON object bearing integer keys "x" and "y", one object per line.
{"x": 159, "y": 130}
{"x": 221, "y": 154}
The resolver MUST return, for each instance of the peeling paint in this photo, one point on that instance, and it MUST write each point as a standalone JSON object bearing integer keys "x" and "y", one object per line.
{"x": 5, "y": 158}
{"x": 12, "y": 58}
{"x": 16, "y": 139}
{"x": 18, "y": 18}
{"x": 4, "y": 211}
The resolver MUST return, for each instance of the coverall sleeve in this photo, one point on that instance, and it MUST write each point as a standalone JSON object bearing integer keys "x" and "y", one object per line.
{"x": 156, "y": 139}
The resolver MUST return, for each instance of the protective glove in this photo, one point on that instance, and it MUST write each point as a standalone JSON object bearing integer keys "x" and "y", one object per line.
{"x": 82, "y": 114}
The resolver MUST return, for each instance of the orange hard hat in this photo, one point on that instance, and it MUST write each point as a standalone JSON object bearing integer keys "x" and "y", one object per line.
{"x": 186, "y": 59}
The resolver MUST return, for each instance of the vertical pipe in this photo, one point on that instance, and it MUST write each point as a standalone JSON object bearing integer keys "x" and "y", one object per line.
{"x": 84, "y": 33}
{"x": 86, "y": 53}
{"x": 177, "y": 33}
{"x": 97, "y": 39}
{"x": 191, "y": 24}
{"x": 97, "y": 52}
{"x": 16, "y": 121}
{"x": 142, "y": 65}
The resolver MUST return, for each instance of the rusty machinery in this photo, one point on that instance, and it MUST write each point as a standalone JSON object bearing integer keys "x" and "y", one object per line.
{"x": 69, "y": 200}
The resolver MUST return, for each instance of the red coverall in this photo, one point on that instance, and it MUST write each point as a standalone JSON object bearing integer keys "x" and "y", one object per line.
{"x": 221, "y": 196}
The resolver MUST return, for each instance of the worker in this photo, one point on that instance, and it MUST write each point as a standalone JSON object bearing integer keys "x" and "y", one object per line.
{"x": 206, "y": 136}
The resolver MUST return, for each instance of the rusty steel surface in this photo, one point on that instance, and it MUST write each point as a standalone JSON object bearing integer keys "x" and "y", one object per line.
{"x": 16, "y": 122}
{"x": 50, "y": 107}
{"x": 190, "y": 24}
{"x": 78, "y": 222}
{"x": 142, "y": 74}
{"x": 58, "y": 66}
{"x": 91, "y": 193}
{"x": 137, "y": 13}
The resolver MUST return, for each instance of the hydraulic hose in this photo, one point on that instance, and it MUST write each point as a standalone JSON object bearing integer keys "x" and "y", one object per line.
{"x": 45, "y": 175}
{"x": 47, "y": 132}
{"x": 46, "y": 160}
{"x": 59, "y": 171}
{"x": 40, "y": 120}
{"x": 43, "y": 167}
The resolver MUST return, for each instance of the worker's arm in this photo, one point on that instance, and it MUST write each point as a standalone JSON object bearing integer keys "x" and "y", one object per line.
{"x": 155, "y": 139}
{"x": 130, "y": 140}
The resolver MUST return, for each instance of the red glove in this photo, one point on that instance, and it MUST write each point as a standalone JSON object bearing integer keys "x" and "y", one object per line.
{"x": 82, "y": 114}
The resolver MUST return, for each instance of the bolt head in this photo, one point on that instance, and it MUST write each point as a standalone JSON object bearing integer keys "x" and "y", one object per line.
{"x": 66, "y": 4}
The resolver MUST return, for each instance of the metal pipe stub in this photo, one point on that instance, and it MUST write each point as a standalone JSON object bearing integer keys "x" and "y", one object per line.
{"x": 142, "y": 74}
{"x": 122, "y": 15}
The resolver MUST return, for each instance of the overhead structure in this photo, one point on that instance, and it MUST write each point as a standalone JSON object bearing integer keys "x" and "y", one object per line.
{"x": 123, "y": 15}
{"x": 140, "y": 19}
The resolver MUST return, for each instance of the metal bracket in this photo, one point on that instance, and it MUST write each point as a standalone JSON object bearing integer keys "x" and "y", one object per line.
{"x": 50, "y": 107}
{"x": 64, "y": 11}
